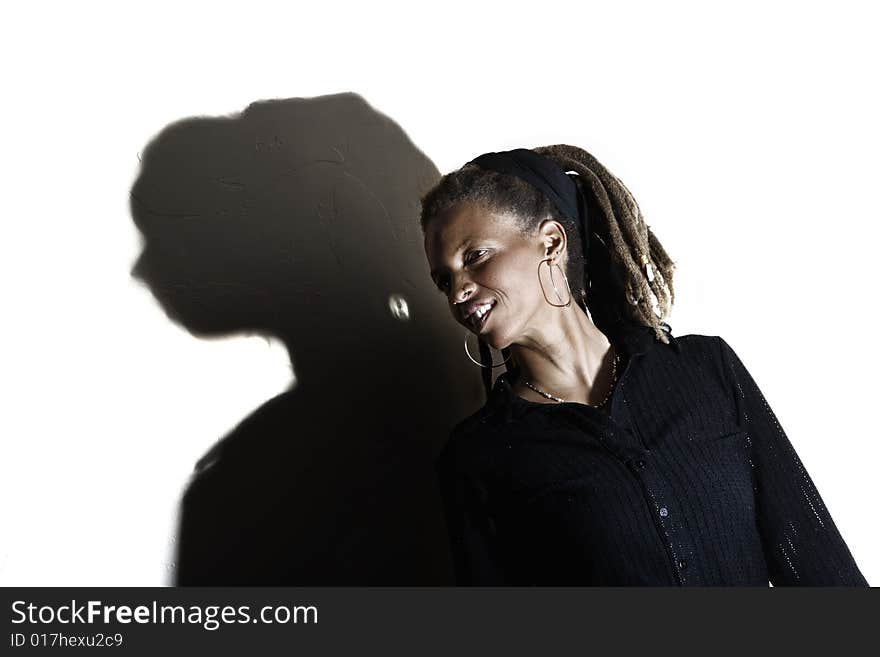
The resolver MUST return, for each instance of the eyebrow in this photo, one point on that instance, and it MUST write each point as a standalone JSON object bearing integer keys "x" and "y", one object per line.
{"x": 434, "y": 272}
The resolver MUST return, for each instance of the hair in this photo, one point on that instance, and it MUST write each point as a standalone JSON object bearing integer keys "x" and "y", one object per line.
{"x": 611, "y": 283}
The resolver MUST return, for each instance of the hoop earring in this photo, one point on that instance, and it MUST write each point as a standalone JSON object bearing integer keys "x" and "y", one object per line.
{"x": 488, "y": 367}
{"x": 559, "y": 296}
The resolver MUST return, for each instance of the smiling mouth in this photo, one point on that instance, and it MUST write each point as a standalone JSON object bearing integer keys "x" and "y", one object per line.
{"x": 476, "y": 322}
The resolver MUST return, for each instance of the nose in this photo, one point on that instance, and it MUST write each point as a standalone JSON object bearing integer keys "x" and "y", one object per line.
{"x": 461, "y": 291}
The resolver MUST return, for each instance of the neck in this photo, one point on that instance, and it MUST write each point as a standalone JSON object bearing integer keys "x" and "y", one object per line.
{"x": 567, "y": 357}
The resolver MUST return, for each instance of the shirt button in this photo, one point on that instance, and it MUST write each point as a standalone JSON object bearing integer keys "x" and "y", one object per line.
{"x": 682, "y": 564}
{"x": 664, "y": 512}
{"x": 640, "y": 464}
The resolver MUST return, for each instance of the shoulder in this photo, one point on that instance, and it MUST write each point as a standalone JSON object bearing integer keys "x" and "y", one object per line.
{"x": 688, "y": 344}
{"x": 703, "y": 347}
{"x": 460, "y": 437}
{"x": 637, "y": 338}
{"x": 690, "y": 355}
{"x": 694, "y": 343}
{"x": 472, "y": 442}
{"x": 710, "y": 356}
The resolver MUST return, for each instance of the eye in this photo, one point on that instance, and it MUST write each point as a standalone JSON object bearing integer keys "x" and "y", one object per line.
{"x": 473, "y": 258}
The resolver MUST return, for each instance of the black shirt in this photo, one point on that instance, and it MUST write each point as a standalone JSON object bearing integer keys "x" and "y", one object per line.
{"x": 689, "y": 481}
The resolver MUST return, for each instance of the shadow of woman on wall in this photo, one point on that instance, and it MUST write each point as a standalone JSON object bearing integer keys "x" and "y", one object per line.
{"x": 298, "y": 219}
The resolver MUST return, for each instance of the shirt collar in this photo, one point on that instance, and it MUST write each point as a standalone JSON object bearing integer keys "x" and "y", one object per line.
{"x": 631, "y": 339}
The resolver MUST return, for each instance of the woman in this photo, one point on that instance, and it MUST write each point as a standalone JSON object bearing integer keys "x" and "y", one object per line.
{"x": 609, "y": 452}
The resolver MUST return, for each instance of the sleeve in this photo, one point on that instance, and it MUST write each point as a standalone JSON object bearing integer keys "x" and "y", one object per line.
{"x": 472, "y": 539}
{"x": 802, "y": 545}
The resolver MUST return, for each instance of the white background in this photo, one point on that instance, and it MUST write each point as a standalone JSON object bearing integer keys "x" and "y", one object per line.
{"x": 747, "y": 133}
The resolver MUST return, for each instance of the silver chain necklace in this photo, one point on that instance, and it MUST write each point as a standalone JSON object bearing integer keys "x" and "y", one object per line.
{"x": 601, "y": 403}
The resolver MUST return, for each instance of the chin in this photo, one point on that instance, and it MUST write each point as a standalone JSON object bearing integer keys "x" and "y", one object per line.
{"x": 495, "y": 341}
{"x": 495, "y": 336}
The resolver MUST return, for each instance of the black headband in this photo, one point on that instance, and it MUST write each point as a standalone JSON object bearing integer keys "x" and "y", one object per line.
{"x": 548, "y": 177}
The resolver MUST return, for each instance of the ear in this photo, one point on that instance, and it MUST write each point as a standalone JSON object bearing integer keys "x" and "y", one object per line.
{"x": 553, "y": 238}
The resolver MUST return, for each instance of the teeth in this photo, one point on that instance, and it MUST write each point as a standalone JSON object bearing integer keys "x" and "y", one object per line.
{"x": 478, "y": 314}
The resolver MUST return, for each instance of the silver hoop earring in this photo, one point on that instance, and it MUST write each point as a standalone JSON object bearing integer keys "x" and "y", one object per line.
{"x": 467, "y": 351}
{"x": 559, "y": 296}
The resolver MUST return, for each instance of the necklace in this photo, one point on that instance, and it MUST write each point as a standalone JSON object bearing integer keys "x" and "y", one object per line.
{"x": 601, "y": 403}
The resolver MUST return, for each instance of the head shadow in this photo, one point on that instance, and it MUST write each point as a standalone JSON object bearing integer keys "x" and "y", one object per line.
{"x": 298, "y": 219}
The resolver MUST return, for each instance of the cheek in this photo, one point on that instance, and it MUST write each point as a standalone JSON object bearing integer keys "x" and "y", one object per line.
{"x": 508, "y": 268}
{"x": 512, "y": 282}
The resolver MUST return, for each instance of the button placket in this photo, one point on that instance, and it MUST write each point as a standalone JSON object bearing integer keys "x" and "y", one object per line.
{"x": 657, "y": 488}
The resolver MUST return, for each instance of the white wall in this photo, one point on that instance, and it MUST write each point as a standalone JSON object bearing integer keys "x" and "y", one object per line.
{"x": 748, "y": 135}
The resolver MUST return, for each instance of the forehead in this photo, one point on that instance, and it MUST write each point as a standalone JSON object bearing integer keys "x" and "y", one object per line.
{"x": 446, "y": 235}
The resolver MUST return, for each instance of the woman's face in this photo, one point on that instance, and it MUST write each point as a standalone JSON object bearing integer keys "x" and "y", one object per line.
{"x": 479, "y": 259}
